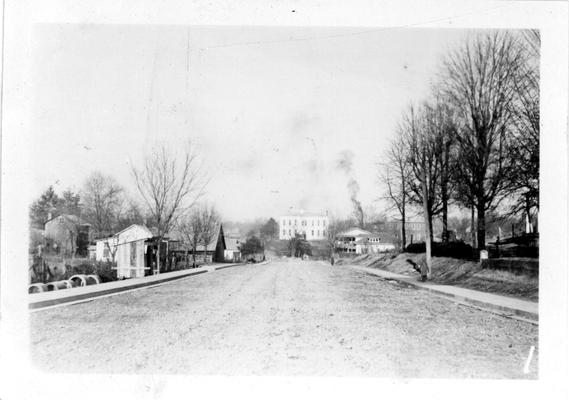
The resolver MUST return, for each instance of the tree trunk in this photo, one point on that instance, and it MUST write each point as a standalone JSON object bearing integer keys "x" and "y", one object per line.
{"x": 481, "y": 231}
{"x": 472, "y": 229}
{"x": 444, "y": 194}
{"x": 528, "y": 214}
{"x": 427, "y": 219}
{"x": 403, "y": 232}
{"x": 444, "y": 197}
{"x": 157, "y": 270}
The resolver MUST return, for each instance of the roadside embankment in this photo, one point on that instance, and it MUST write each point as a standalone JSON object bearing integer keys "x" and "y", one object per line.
{"x": 451, "y": 271}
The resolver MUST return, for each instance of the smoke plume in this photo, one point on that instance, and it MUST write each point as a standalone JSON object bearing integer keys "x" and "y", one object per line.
{"x": 345, "y": 163}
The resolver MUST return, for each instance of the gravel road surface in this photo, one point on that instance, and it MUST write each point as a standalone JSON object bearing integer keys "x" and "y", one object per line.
{"x": 288, "y": 317}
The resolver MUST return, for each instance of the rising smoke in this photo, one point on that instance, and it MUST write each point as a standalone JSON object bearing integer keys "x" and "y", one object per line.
{"x": 345, "y": 163}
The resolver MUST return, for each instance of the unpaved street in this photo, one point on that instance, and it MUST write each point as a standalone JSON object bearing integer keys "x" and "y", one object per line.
{"x": 283, "y": 318}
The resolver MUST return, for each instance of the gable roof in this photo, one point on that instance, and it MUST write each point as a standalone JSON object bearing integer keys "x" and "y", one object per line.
{"x": 177, "y": 236}
{"x": 232, "y": 243}
{"x": 74, "y": 219}
{"x": 133, "y": 233}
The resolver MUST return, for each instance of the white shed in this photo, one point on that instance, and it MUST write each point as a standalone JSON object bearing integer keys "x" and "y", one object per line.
{"x": 131, "y": 251}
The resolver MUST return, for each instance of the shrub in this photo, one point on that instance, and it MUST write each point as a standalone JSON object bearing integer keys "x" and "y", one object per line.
{"x": 458, "y": 250}
{"x": 103, "y": 269}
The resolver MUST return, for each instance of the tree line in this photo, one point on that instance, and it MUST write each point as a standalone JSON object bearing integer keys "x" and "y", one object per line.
{"x": 474, "y": 141}
{"x": 170, "y": 185}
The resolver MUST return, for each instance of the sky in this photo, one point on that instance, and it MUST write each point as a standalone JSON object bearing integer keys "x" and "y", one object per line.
{"x": 270, "y": 111}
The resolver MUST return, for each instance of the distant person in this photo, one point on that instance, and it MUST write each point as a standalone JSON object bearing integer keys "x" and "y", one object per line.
{"x": 421, "y": 268}
{"x": 332, "y": 259}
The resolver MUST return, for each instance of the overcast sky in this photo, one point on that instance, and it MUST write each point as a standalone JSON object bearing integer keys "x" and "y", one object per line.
{"x": 271, "y": 110}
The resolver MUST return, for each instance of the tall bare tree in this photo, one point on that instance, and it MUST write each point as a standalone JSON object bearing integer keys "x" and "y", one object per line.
{"x": 102, "y": 199}
{"x": 169, "y": 184}
{"x": 423, "y": 156}
{"x": 442, "y": 131}
{"x": 423, "y": 152}
{"x": 479, "y": 79}
{"x": 394, "y": 176}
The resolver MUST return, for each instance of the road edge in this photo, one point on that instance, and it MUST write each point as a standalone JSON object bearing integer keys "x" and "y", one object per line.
{"x": 505, "y": 311}
{"x": 69, "y": 298}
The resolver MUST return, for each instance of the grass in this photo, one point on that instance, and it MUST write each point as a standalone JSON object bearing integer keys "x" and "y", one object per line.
{"x": 450, "y": 271}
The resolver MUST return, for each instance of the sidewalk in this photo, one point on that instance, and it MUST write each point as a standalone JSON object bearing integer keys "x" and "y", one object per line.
{"x": 86, "y": 293}
{"x": 504, "y": 305}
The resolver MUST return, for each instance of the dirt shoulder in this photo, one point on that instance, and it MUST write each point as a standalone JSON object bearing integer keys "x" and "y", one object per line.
{"x": 451, "y": 271}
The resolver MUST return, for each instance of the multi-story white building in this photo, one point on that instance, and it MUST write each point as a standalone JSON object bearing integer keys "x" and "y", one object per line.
{"x": 313, "y": 226}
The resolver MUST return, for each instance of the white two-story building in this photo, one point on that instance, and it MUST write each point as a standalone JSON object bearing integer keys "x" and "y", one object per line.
{"x": 312, "y": 226}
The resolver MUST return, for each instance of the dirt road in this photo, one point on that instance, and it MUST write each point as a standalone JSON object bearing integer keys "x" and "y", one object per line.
{"x": 283, "y": 318}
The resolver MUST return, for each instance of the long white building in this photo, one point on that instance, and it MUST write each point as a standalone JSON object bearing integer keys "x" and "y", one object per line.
{"x": 313, "y": 226}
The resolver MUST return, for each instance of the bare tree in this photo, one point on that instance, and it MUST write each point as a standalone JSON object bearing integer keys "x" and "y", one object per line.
{"x": 111, "y": 245}
{"x": 169, "y": 184}
{"x": 210, "y": 225}
{"x": 442, "y": 131}
{"x": 423, "y": 152}
{"x": 525, "y": 148}
{"x": 479, "y": 80}
{"x": 191, "y": 229}
{"x": 394, "y": 175}
{"x": 102, "y": 200}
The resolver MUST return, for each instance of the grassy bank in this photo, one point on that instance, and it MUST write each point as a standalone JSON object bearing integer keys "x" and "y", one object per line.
{"x": 450, "y": 271}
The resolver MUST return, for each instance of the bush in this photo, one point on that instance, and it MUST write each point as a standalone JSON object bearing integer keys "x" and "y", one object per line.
{"x": 458, "y": 250}
{"x": 103, "y": 269}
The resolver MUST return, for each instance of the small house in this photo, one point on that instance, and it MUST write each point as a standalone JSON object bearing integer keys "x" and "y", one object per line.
{"x": 213, "y": 252}
{"x": 67, "y": 235}
{"x": 232, "y": 253}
